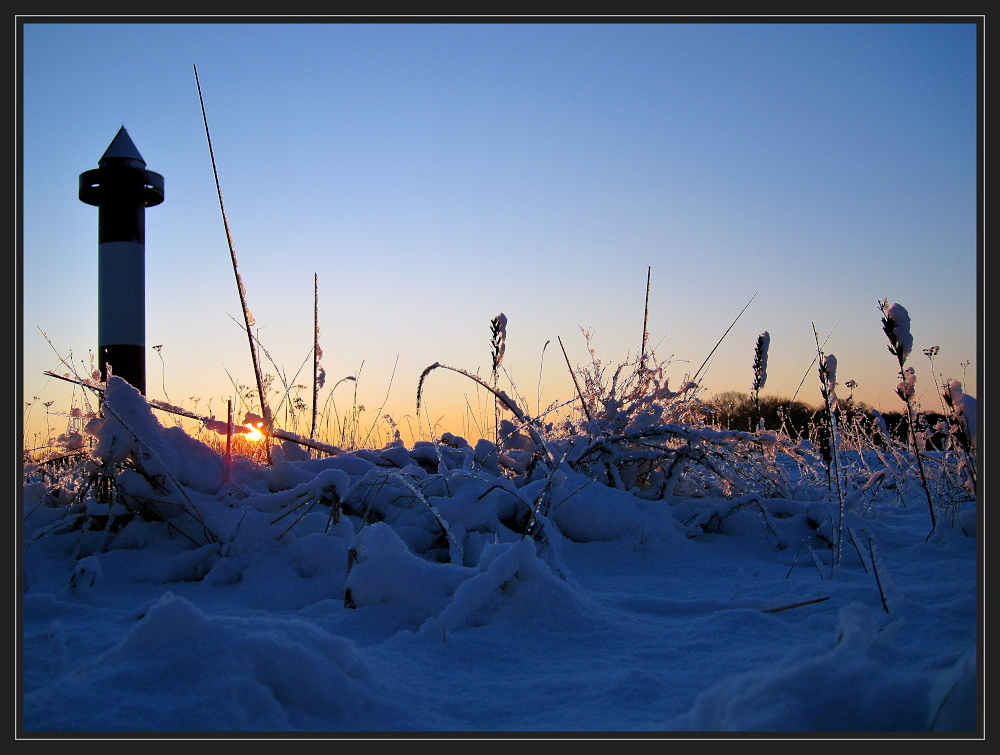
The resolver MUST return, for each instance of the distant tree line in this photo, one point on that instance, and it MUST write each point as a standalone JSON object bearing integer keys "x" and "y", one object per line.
{"x": 733, "y": 410}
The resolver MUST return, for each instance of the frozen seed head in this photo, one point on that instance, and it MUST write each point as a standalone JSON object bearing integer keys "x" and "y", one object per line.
{"x": 896, "y": 324}
{"x": 953, "y": 392}
{"x": 498, "y": 329}
{"x": 828, "y": 378}
{"x": 828, "y": 371}
{"x": 963, "y": 408}
{"x": 760, "y": 361}
{"x": 420, "y": 383}
{"x": 908, "y": 385}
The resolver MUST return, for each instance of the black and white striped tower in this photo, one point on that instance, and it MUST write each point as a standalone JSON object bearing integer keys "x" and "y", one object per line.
{"x": 122, "y": 189}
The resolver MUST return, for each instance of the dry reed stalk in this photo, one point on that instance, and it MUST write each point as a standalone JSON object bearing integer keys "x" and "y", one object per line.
{"x": 538, "y": 394}
{"x": 796, "y": 605}
{"x": 878, "y": 579}
{"x": 854, "y": 542}
{"x": 318, "y": 379}
{"x": 812, "y": 363}
{"x": 498, "y": 344}
{"x": 378, "y": 414}
{"x": 816, "y": 562}
{"x": 695, "y": 378}
{"x": 247, "y": 316}
{"x": 828, "y": 384}
{"x": 645, "y": 322}
{"x": 759, "y": 373}
{"x": 229, "y": 438}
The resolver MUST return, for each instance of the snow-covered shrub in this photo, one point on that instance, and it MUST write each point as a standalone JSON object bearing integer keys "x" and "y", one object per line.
{"x": 136, "y": 469}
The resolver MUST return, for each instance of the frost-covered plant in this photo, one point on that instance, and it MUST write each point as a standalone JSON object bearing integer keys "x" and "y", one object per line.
{"x": 930, "y": 353}
{"x": 759, "y": 372}
{"x": 962, "y": 433}
{"x": 631, "y": 431}
{"x": 137, "y": 469}
{"x": 896, "y": 325}
{"x": 635, "y": 433}
{"x": 498, "y": 345}
{"x": 498, "y": 340}
{"x": 828, "y": 385}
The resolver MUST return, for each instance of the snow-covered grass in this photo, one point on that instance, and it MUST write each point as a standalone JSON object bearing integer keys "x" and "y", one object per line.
{"x": 624, "y": 568}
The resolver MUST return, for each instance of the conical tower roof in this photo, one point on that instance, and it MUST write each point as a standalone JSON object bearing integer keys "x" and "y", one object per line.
{"x": 122, "y": 148}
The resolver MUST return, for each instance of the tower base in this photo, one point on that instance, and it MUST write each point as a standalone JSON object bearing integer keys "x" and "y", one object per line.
{"x": 127, "y": 361}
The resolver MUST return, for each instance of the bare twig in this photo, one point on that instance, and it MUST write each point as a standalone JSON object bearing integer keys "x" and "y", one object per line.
{"x": 878, "y": 579}
{"x": 796, "y": 605}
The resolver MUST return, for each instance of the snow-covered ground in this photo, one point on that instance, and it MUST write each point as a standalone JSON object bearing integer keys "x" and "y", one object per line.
{"x": 253, "y": 606}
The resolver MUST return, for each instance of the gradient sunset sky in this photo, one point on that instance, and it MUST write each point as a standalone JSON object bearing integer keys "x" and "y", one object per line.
{"x": 433, "y": 175}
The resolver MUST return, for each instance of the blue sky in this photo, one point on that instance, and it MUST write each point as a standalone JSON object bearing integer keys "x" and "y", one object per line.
{"x": 433, "y": 175}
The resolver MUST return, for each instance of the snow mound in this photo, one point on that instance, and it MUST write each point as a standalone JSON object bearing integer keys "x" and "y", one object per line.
{"x": 383, "y": 570}
{"x": 852, "y": 686}
{"x": 511, "y": 584}
{"x": 181, "y": 669}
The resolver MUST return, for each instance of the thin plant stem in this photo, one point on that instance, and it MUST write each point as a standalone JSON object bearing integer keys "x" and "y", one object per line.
{"x": 247, "y": 317}
{"x": 316, "y": 355}
{"x": 538, "y": 394}
{"x": 645, "y": 322}
{"x": 695, "y": 378}
{"x": 378, "y": 414}
{"x": 572, "y": 374}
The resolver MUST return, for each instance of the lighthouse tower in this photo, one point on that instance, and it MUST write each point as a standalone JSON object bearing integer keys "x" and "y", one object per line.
{"x": 122, "y": 189}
